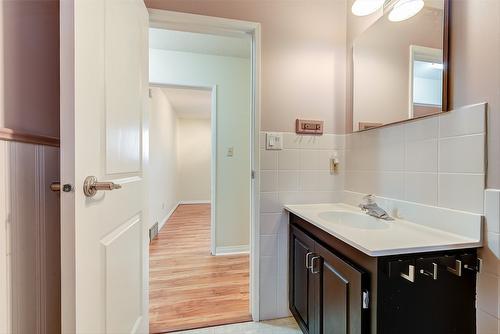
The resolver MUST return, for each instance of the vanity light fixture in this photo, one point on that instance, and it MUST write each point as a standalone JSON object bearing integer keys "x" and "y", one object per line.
{"x": 404, "y": 9}
{"x": 366, "y": 7}
{"x": 437, "y": 66}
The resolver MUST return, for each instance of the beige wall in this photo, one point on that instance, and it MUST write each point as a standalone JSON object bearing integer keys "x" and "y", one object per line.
{"x": 381, "y": 65}
{"x": 163, "y": 196}
{"x": 194, "y": 156}
{"x": 475, "y": 68}
{"x": 303, "y": 56}
{"x": 29, "y": 66}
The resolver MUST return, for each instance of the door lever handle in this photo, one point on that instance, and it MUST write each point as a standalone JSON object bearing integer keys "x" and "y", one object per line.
{"x": 91, "y": 186}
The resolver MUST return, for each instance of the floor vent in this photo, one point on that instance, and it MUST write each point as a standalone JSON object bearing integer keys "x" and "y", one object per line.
{"x": 153, "y": 232}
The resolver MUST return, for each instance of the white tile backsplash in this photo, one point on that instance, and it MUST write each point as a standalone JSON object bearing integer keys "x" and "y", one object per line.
{"x": 423, "y": 169}
{"x": 298, "y": 174}
{"x": 463, "y": 154}
{"x": 461, "y": 192}
{"x": 492, "y": 210}
{"x": 464, "y": 121}
{"x": 449, "y": 148}
{"x": 422, "y": 156}
{"x": 421, "y": 188}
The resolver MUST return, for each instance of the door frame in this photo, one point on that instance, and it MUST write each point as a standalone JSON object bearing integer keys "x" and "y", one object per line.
{"x": 228, "y": 27}
{"x": 213, "y": 150}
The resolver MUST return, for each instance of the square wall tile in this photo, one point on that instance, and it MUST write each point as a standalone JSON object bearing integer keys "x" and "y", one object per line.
{"x": 422, "y": 129}
{"x": 291, "y": 140}
{"x": 422, "y": 188}
{"x": 268, "y": 287}
{"x": 268, "y": 245}
{"x": 270, "y": 223}
{"x": 390, "y": 184}
{"x": 268, "y": 180}
{"x": 288, "y": 180}
{"x": 492, "y": 210}
{"x": 487, "y": 293}
{"x": 390, "y": 157}
{"x": 486, "y": 323}
{"x": 269, "y": 203}
{"x": 268, "y": 159}
{"x": 493, "y": 243}
{"x": 463, "y": 192}
{"x": 464, "y": 121}
{"x": 422, "y": 156}
{"x": 462, "y": 154}
{"x": 288, "y": 159}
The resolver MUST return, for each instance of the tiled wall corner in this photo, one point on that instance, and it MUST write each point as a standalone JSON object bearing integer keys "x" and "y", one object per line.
{"x": 437, "y": 161}
{"x": 298, "y": 174}
{"x": 488, "y": 290}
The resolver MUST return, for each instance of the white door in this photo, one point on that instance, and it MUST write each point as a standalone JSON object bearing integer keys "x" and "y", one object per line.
{"x": 104, "y": 80}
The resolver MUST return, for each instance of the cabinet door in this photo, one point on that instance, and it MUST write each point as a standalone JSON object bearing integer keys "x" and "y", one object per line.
{"x": 300, "y": 283}
{"x": 339, "y": 295}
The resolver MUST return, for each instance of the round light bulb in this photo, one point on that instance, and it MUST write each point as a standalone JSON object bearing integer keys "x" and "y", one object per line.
{"x": 366, "y": 7}
{"x": 404, "y": 9}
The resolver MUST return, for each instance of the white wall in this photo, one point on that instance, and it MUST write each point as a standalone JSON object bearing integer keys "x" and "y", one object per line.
{"x": 162, "y": 158}
{"x": 194, "y": 158}
{"x": 232, "y": 77}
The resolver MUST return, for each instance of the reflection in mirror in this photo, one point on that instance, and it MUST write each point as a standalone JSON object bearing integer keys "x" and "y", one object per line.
{"x": 399, "y": 68}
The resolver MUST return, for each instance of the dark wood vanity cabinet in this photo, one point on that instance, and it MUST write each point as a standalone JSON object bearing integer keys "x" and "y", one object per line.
{"x": 325, "y": 291}
{"x": 336, "y": 289}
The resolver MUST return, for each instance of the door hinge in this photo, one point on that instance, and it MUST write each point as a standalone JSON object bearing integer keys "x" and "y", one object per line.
{"x": 253, "y": 174}
{"x": 366, "y": 299}
{"x": 150, "y": 93}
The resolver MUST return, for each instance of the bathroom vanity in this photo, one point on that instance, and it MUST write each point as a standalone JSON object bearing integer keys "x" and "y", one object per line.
{"x": 351, "y": 273}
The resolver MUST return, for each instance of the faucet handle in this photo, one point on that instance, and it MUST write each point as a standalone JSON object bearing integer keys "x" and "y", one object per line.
{"x": 369, "y": 199}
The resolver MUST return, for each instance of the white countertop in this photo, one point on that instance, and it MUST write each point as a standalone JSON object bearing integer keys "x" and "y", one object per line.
{"x": 384, "y": 237}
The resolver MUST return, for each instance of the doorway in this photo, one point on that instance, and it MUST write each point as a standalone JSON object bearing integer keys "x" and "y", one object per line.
{"x": 200, "y": 262}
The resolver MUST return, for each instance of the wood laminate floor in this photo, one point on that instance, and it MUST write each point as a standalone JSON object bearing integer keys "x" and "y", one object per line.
{"x": 189, "y": 288}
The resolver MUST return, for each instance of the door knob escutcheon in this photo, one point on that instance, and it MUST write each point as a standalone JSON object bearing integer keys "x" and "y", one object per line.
{"x": 91, "y": 186}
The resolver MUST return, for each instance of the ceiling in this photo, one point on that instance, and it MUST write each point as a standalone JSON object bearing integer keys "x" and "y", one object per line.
{"x": 200, "y": 43}
{"x": 189, "y": 102}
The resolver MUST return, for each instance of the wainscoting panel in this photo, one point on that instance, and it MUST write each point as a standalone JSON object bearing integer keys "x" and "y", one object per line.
{"x": 29, "y": 213}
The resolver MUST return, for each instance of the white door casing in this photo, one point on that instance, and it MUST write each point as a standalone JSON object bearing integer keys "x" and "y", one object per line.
{"x": 104, "y": 239}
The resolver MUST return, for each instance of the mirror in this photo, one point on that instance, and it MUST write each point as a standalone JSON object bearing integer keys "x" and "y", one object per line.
{"x": 400, "y": 68}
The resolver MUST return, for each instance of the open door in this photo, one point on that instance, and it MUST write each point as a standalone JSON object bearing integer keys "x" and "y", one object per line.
{"x": 104, "y": 84}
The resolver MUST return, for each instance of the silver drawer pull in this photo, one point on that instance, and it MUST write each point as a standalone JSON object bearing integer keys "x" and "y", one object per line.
{"x": 433, "y": 274}
{"x": 411, "y": 274}
{"x": 457, "y": 270}
{"x": 308, "y": 266}
{"x": 313, "y": 266}
{"x": 91, "y": 186}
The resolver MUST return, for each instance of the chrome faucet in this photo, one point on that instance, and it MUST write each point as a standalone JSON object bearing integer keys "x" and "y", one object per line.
{"x": 371, "y": 208}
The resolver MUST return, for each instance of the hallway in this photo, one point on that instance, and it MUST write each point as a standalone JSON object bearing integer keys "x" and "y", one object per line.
{"x": 189, "y": 288}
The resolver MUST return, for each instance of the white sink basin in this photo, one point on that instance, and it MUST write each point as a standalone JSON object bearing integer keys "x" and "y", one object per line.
{"x": 353, "y": 220}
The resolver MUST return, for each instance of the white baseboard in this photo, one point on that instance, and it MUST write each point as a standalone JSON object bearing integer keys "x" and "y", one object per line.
{"x": 202, "y": 201}
{"x": 164, "y": 220}
{"x": 232, "y": 250}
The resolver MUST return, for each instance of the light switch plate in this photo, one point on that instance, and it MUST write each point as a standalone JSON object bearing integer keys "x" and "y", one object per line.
{"x": 274, "y": 141}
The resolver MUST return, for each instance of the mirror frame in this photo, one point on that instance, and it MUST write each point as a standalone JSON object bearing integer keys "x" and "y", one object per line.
{"x": 446, "y": 69}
